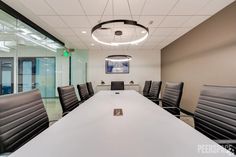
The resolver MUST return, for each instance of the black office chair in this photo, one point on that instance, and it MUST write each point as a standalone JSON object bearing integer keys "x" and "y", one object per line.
{"x": 146, "y": 88}
{"x": 154, "y": 91}
{"x": 215, "y": 115}
{"x": 117, "y": 85}
{"x": 83, "y": 92}
{"x": 90, "y": 88}
{"x": 172, "y": 96}
{"x": 68, "y": 99}
{"x": 23, "y": 117}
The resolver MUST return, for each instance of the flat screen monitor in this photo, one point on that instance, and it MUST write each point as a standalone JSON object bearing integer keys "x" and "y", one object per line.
{"x": 116, "y": 67}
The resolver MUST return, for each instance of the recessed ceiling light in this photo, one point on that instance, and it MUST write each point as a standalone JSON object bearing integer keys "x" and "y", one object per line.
{"x": 92, "y": 44}
{"x": 84, "y": 32}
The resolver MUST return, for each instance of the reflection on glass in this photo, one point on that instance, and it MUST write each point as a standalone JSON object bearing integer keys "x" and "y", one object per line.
{"x": 6, "y": 79}
{"x": 37, "y": 72}
{"x": 45, "y": 76}
{"x": 27, "y": 76}
{"x": 29, "y": 60}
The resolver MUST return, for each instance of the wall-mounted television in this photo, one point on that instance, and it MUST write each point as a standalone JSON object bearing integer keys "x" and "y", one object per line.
{"x": 116, "y": 67}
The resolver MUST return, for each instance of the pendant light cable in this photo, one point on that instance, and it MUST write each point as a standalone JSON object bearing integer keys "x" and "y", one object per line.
{"x": 103, "y": 11}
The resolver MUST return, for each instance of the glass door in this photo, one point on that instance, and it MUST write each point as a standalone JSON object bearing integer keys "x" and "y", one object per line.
{"x": 37, "y": 72}
{"x": 26, "y": 74}
{"x": 6, "y": 75}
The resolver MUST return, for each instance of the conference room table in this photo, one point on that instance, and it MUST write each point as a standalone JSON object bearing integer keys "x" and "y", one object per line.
{"x": 141, "y": 129}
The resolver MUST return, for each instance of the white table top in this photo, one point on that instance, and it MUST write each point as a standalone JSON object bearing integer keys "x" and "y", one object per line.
{"x": 145, "y": 130}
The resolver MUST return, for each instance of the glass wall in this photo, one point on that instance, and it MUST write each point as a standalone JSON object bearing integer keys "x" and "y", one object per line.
{"x": 29, "y": 60}
{"x": 79, "y": 60}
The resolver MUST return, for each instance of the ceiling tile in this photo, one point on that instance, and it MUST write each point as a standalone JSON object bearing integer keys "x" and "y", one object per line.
{"x": 95, "y": 47}
{"x": 151, "y": 30}
{"x": 94, "y": 20}
{"x": 79, "y": 31}
{"x": 92, "y": 7}
{"x": 145, "y": 20}
{"x": 194, "y": 21}
{"x": 155, "y": 39}
{"x": 67, "y": 18}
{"x": 163, "y": 31}
{"x": 180, "y": 31}
{"x": 72, "y": 37}
{"x": 188, "y": 7}
{"x": 66, "y": 7}
{"x": 65, "y": 31}
{"x": 121, "y": 7}
{"x": 160, "y": 7}
{"x": 174, "y": 21}
{"x": 80, "y": 45}
{"x": 214, "y": 6}
{"x": 136, "y": 6}
{"x": 38, "y": 7}
{"x": 53, "y": 21}
{"x": 76, "y": 21}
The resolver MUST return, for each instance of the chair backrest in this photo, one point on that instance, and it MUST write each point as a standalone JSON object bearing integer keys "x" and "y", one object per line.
{"x": 117, "y": 85}
{"x": 68, "y": 98}
{"x": 155, "y": 89}
{"x": 146, "y": 87}
{"x": 172, "y": 96}
{"x": 22, "y": 117}
{"x": 90, "y": 88}
{"x": 83, "y": 92}
{"x": 215, "y": 115}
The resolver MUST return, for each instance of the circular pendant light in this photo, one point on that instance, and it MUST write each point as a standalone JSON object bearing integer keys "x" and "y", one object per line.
{"x": 118, "y": 58}
{"x": 119, "y": 32}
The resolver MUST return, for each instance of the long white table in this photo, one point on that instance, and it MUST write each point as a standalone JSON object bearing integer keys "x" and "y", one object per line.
{"x": 145, "y": 130}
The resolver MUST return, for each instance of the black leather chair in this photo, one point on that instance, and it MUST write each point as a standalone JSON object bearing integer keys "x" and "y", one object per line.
{"x": 90, "y": 88}
{"x": 68, "y": 99}
{"x": 172, "y": 96}
{"x": 117, "y": 85}
{"x": 154, "y": 91}
{"x": 146, "y": 87}
{"x": 22, "y": 117}
{"x": 215, "y": 115}
{"x": 83, "y": 92}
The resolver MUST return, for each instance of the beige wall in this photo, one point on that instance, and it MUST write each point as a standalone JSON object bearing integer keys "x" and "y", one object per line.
{"x": 205, "y": 55}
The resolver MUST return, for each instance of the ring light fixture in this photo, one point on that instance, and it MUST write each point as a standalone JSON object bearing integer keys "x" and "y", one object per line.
{"x": 118, "y": 31}
{"x": 118, "y": 58}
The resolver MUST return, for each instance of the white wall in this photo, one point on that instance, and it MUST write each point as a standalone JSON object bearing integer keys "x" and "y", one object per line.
{"x": 145, "y": 65}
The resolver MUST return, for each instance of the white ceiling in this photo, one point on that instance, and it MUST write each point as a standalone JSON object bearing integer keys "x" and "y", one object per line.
{"x": 66, "y": 19}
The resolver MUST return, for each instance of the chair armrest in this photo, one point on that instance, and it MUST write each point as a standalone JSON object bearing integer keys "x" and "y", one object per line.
{"x": 183, "y": 115}
{"x": 81, "y": 101}
{"x": 171, "y": 108}
{"x": 225, "y": 141}
{"x": 186, "y": 113}
{"x": 65, "y": 113}
{"x": 153, "y": 99}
